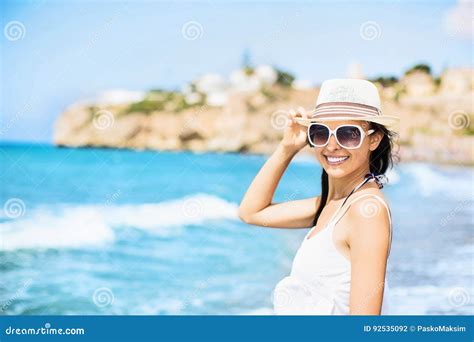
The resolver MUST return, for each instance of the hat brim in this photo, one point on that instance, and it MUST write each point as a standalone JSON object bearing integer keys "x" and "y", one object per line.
{"x": 390, "y": 122}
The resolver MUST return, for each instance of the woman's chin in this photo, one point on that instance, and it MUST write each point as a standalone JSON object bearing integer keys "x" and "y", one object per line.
{"x": 336, "y": 171}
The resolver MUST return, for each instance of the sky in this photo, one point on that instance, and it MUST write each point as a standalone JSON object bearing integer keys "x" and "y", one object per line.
{"x": 54, "y": 53}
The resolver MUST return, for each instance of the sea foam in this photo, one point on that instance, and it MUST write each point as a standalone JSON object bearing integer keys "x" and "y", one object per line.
{"x": 75, "y": 226}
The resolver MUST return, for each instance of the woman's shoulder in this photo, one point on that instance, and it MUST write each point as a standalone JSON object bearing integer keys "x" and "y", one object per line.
{"x": 368, "y": 219}
{"x": 366, "y": 205}
{"x": 369, "y": 192}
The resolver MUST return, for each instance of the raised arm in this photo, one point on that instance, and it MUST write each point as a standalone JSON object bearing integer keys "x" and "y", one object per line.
{"x": 257, "y": 208}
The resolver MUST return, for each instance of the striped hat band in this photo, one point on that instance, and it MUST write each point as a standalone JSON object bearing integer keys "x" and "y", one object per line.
{"x": 346, "y": 109}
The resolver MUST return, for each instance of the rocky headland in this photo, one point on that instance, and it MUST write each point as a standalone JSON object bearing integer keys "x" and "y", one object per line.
{"x": 246, "y": 112}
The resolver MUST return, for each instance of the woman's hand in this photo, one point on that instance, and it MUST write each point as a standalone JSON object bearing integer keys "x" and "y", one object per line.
{"x": 295, "y": 135}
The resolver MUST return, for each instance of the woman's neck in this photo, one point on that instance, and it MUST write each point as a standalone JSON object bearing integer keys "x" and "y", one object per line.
{"x": 341, "y": 187}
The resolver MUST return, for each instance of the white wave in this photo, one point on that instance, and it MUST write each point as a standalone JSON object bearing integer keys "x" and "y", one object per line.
{"x": 431, "y": 181}
{"x": 426, "y": 299}
{"x": 93, "y": 225}
{"x": 392, "y": 176}
{"x": 189, "y": 210}
{"x": 75, "y": 227}
{"x": 170, "y": 306}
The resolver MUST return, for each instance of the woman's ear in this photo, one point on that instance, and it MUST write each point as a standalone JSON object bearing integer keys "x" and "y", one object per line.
{"x": 374, "y": 140}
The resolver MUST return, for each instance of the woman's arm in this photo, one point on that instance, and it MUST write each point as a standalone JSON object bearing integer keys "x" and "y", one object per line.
{"x": 369, "y": 241}
{"x": 257, "y": 207}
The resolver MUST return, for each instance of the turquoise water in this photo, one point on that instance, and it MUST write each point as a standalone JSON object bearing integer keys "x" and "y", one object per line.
{"x": 97, "y": 231}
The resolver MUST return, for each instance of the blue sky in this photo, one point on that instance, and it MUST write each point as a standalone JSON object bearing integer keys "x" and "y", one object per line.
{"x": 70, "y": 50}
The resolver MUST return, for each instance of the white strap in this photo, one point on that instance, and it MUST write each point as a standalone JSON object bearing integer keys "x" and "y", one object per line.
{"x": 338, "y": 215}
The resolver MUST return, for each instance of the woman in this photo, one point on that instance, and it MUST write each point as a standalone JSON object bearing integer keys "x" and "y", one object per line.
{"x": 340, "y": 266}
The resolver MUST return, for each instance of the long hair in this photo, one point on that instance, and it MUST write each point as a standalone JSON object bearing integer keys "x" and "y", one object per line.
{"x": 380, "y": 161}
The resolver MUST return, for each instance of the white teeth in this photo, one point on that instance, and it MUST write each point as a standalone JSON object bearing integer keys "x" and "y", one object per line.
{"x": 336, "y": 159}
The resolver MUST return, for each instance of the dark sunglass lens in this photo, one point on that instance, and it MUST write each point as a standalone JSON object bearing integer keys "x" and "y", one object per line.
{"x": 348, "y": 136}
{"x": 318, "y": 134}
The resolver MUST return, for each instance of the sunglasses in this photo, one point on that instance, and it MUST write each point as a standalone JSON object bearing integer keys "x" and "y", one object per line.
{"x": 347, "y": 136}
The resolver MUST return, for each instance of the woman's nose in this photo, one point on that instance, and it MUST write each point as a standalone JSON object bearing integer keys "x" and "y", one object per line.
{"x": 332, "y": 144}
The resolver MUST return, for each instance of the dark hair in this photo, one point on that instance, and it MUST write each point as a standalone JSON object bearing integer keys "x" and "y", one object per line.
{"x": 380, "y": 161}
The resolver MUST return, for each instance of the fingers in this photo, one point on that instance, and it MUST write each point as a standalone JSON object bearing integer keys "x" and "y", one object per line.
{"x": 300, "y": 112}
{"x": 291, "y": 117}
{"x": 304, "y": 113}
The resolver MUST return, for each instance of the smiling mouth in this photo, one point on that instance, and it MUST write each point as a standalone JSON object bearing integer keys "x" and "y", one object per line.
{"x": 336, "y": 160}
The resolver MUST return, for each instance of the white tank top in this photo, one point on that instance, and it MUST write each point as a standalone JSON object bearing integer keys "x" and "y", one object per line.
{"x": 320, "y": 278}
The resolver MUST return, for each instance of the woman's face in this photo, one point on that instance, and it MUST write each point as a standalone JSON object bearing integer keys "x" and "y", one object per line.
{"x": 354, "y": 159}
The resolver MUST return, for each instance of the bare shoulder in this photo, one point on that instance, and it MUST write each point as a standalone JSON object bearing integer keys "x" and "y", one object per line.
{"x": 368, "y": 214}
{"x": 368, "y": 197}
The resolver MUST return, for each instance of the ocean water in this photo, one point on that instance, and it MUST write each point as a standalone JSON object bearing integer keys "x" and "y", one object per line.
{"x": 98, "y": 231}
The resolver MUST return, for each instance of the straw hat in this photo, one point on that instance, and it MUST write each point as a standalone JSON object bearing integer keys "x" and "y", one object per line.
{"x": 349, "y": 99}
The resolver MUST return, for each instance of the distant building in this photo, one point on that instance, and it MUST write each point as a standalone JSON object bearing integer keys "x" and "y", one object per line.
{"x": 418, "y": 83}
{"x": 457, "y": 81}
{"x": 266, "y": 74}
{"x": 302, "y": 84}
{"x": 118, "y": 96}
{"x": 215, "y": 87}
{"x": 242, "y": 81}
{"x": 209, "y": 83}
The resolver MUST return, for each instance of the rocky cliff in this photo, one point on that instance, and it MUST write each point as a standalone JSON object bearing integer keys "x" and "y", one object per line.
{"x": 247, "y": 114}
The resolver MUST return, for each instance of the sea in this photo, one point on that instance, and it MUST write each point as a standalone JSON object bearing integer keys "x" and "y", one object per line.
{"x": 124, "y": 232}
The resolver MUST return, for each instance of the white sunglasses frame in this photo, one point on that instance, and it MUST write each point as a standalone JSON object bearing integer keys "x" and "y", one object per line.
{"x": 363, "y": 134}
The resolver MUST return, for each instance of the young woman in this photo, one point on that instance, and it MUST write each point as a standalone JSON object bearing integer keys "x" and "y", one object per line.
{"x": 340, "y": 266}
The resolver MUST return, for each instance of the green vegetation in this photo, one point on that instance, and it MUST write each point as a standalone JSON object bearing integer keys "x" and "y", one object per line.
{"x": 385, "y": 81}
{"x": 248, "y": 70}
{"x": 146, "y": 106}
{"x": 284, "y": 79}
{"x": 419, "y": 67}
{"x": 469, "y": 130}
{"x": 159, "y": 100}
{"x": 271, "y": 96}
{"x": 399, "y": 93}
